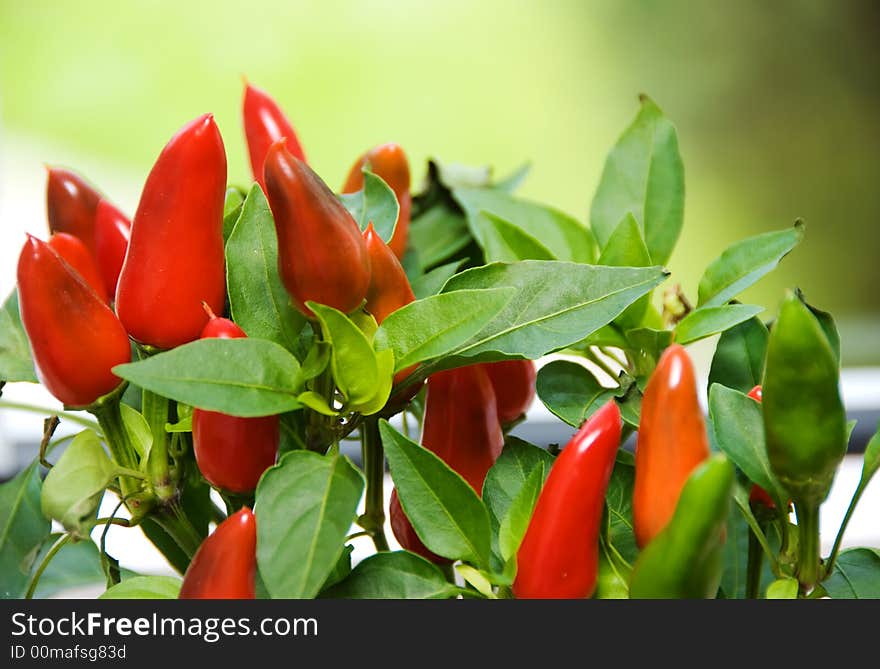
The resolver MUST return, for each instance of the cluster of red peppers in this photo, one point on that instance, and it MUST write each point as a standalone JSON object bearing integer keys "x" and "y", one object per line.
{"x": 103, "y": 281}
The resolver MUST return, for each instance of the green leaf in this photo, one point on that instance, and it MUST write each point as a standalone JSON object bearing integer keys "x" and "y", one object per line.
{"x": 239, "y": 377}
{"x": 375, "y": 203}
{"x": 15, "y": 350}
{"x": 316, "y": 402}
{"x": 144, "y": 587}
{"x": 856, "y": 575}
{"x": 509, "y": 474}
{"x": 23, "y": 529}
{"x": 232, "y": 205}
{"x": 561, "y": 235}
{"x": 570, "y": 391}
{"x": 871, "y": 461}
{"x": 738, "y": 362}
{"x": 618, "y": 501}
{"x": 556, "y": 304}
{"x": 503, "y": 241}
{"x": 477, "y": 578}
{"x": 736, "y": 556}
{"x": 648, "y": 345}
{"x": 644, "y": 176}
{"x": 445, "y": 512}
{"x": 739, "y": 432}
{"x": 305, "y": 507}
{"x": 316, "y": 361}
{"x": 139, "y": 430}
{"x": 626, "y": 248}
{"x": 257, "y": 298}
{"x": 438, "y": 234}
{"x": 513, "y": 180}
{"x": 743, "y": 263}
{"x": 708, "y": 321}
{"x": 435, "y": 326}
{"x": 430, "y": 284}
{"x": 826, "y": 322}
{"x": 74, "y": 487}
{"x": 516, "y": 521}
{"x": 75, "y": 565}
{"x": 385, "y": 366}
{"x": 394, "y": 575}
{"x": 783, "y": 588}
{"x": 340, "y": 571}
{"x": 352, "y": 359}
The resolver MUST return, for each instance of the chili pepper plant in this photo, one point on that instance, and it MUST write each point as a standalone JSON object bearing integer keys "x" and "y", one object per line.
{"x": 223, "y": 350}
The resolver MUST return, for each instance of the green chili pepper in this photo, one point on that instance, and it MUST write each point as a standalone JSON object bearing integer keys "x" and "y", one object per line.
{"x": 685, "y": 559}
{"x": 804, "y": 421}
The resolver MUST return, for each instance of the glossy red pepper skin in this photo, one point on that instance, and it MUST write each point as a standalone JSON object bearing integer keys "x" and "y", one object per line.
{"x": 460, "y": 427}
{"x": 112, "y": 232}
{"x": 389, "y": 162}
{"x": 233, "y": 452}
{"x": 78, "y": 257}
{"x": 514, "y": 385}
{"x": 175, "y": 258}
{"x": 225, "y": 565}
{"x": 559, "y": 555}
{"x": 389, "y": 288}
{"x": 321, "y": 254}
{"x": 265, "y": 124}
{"x": 671, "y": 442}
{"x": 75, "y": 337}
{"x": 70, "y": 205}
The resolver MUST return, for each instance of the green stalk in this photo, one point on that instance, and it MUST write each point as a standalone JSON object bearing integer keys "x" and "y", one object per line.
{"x": 754, "y": 566}
{"x": 57, "y": 546}
{"x": 177, "y": 525}
{"x": 373, "y": 519}
{"x": 155, "y": 410}
{"x": 809, "y": 560}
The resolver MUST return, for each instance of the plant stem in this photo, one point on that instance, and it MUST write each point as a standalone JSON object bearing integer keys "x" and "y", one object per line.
{"x": 123, "y": 453}
{"x": 373, "y": 519}
{"x": 57, "y": 546}
{"x": 808, "y": 546}
{"x": 177, "y": 525}
{"x": 35, "y": 408}
{"x": 155, "y": 410}
{"x": 753, "y": 567}
{"x": 829, "y": 563}
{"x": 598, "y": 360}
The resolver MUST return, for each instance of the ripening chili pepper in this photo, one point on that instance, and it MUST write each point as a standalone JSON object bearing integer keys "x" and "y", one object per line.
{"x": 78, "y": 257}
{"x": 225, "y": 565}
{"x": 756, "y": 394}
{"x": 321, "y": 254}
{"x": 389, "y": 288}
{"x": 175, "y": 258}
{"x": 559, "y": 554}
{"x": 265, "y": 124}
{"x": 514, "y": 385}
{"x": 232, "y": 452}
{"x": 70, "y": 204}
{"x": 671, "y": 442}
{"x": 112, "y": 232}
{"x": 76, "y": 339}
{"x": 388, "y": 162}
{"x": 460, "y": 427}
{"x": 684, "y": 561}
{"x": 804, "y": 421}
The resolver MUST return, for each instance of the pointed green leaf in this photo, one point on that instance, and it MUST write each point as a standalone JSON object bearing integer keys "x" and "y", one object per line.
{"x": 257, "y": 297}
{"x": 430, "y": 284}
{"x": 444, "y": 510}
{"x": 783, "y": 588}
{"x": 23, "y": 529}
{"x": 743, "y": 263}
{"x": 570, "y": 391}
{"x": 738, "y": 362}
{"x": 375, "y": 203}
{"x": 438, "y": 234}
{"x": 856, "y": 575}
{"x": 305, "y": 507}
{"x": 707, "y": 321}
{"x": 145, "y": 587}
{"x": 503, "y": 241}
{"x": 509, "y": 474}
{"x": 239, "y": 377}
{"x": 516, "y": 521}
{"x": 352, "y": 359}
{"x": 15, "y": 350}
{"x": 644, "y": 176}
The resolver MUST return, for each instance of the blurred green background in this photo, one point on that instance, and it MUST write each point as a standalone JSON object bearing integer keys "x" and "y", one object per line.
{"x": 777, "y": 105}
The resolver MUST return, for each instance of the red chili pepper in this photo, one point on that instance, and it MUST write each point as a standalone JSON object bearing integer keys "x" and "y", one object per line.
{"x": 514, "y": 384}
{"x": 388, "y": 162}
{"x": 71, "y": 204}
{"x": 225, "y": 565}
{"x": 112, "y": 232}
{"x": 389, "y": 288}
{"x": 232, "y": 452}
{"x": 460, "y": 427}
{"x": 559, "y": 555}
{"x": 75, "y": 254}
{"x": 671, "y": 442}
{"x": 175, "y": 259}
{"x": 756, "y": 393}
{"x": 265, "y": 124}
{"x": 75, "y": 338}
{"x": 321, "y": 254}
